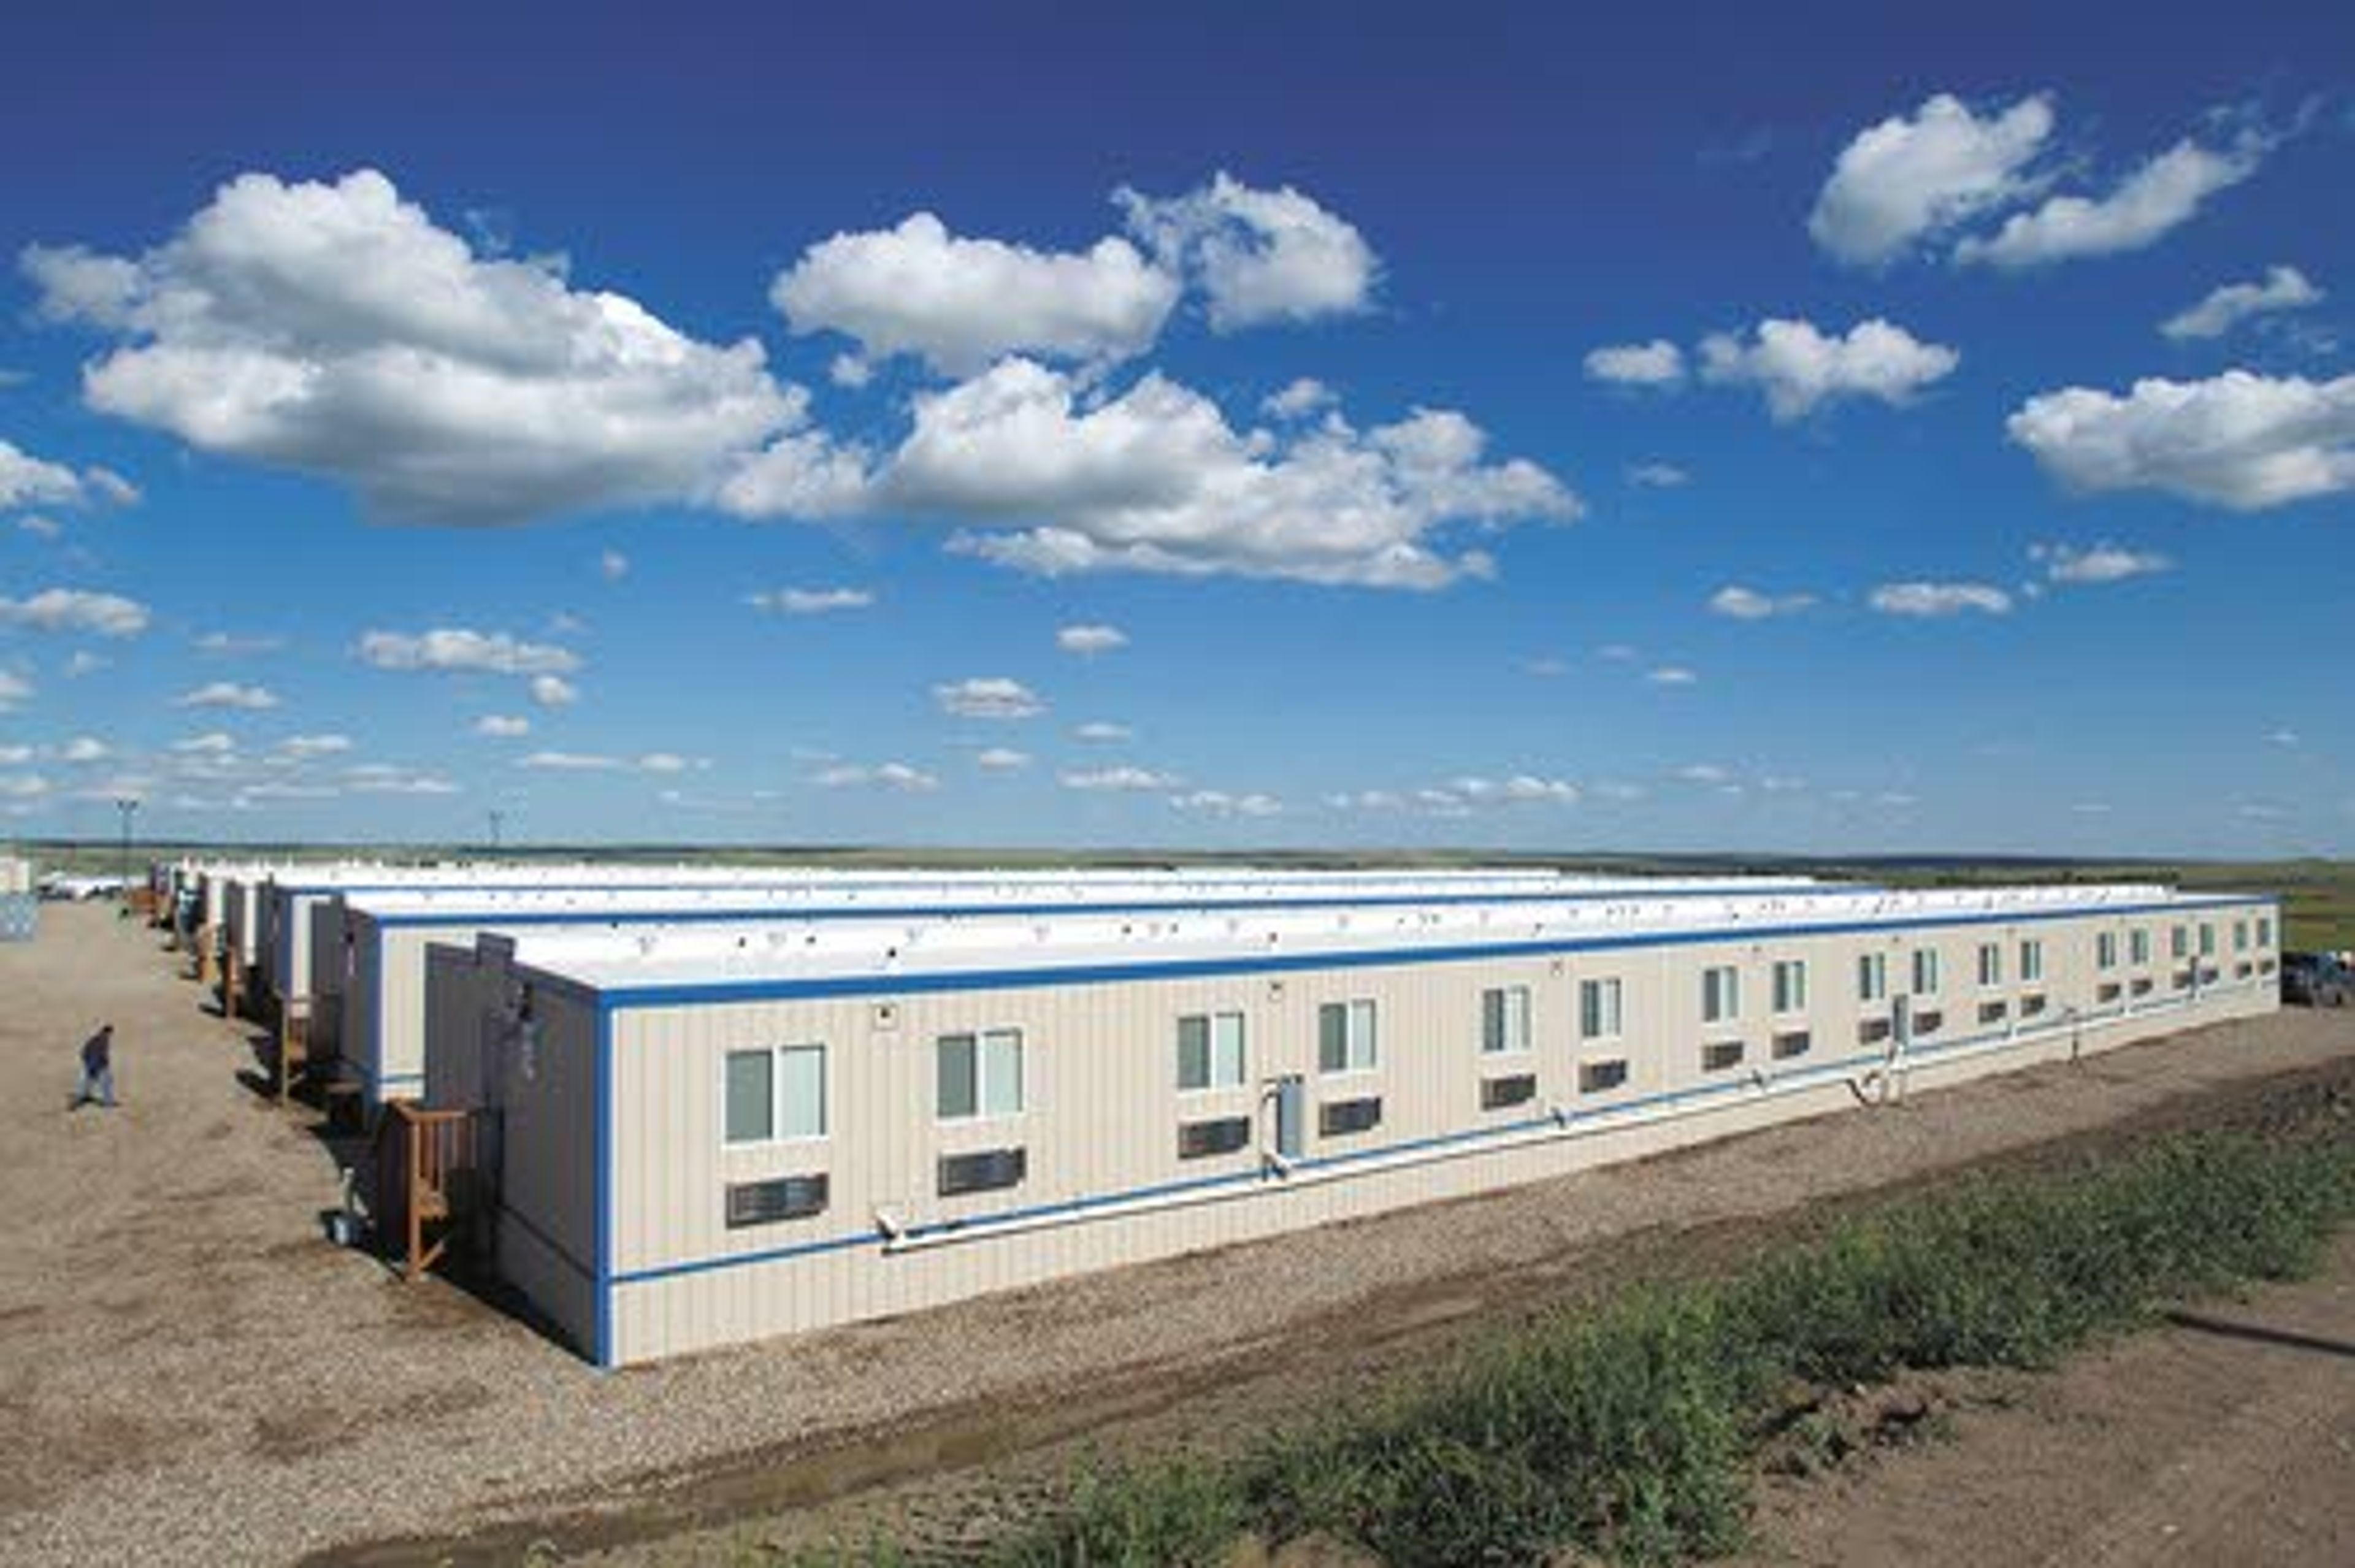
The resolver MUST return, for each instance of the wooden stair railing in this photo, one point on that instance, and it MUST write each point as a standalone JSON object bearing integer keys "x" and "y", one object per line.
{"x": 423, "y": 1157}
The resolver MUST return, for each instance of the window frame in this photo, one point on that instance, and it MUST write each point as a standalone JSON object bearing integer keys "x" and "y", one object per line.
{"x": 776, "y": 1136}
{"x": 1720, "y": 994}
{"x": 1927, "y": 964}
{"x": 1501, "y": 1041}
{"x": 1990, "y": 966}
{"x": 983, "y": 1112}
{"x": 1791, "y": 999}
{"x": 1872, "y": 979}
{"x": 2032, "y": 960}
{"x": 1608, "y": 992}
{"x": 1351, "y": 1008}
{"x": 1212, "y": 1083}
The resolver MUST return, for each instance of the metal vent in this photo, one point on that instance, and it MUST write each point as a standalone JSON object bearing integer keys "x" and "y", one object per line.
{"x": 1792, "y": 1042}
{"x": 1495, "y": 1093}
{"x": 1200, "y": 1140}
{"x": 1719, "y": 1055}
{"x": 982, "y": 1172}
{"x": 1597, "y": 1077}
{"x": 765, "y": 1202}
{"x": 1929, "y": 1022}
{"x": 1343, "y": 1117}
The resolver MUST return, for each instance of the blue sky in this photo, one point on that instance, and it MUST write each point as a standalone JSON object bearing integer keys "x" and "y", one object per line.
{"x": 1818, "y": 430}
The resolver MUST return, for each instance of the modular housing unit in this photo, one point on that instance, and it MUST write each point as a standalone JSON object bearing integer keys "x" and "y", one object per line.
{"x": 368, "y": 990}
{"x": 697, "y": 1146}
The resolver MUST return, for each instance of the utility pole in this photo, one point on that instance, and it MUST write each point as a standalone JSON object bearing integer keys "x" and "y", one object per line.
{"x": 127, "y": 805}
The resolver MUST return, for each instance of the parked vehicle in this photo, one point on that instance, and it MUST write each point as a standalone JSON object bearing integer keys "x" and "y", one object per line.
{"x": 2317, "y": 980}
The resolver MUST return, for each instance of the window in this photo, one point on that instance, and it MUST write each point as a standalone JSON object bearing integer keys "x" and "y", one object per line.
{"x": 751, "y": 1097}
{"x": 1926, "y": 971}
{"x": 1504, "y": 1020}
{"x": 980, "y": 1075}
{"x": 2179, "y": 942}
{"x": 1345, "y": 1037}
{"x": 2207, "y": 940}
{"x": 1599, "y": 1077}
{"x": 2264, "y": 930}
{"x": 1720, "y": 1055}
{"x": 2240, "y": 937}
{"x": 2138, "y": 944}
{"x": 2106, "y": 950}
{"x": 2032, "y": 962}
{"x": 775, "y": 1095}
{"x": 1990, "y": 965}
{"x": 1791, "y": 985}
{"x": 1720, "y": 994}
{"x": 1210, "y": 1052}
{"x": 1993, "y": 1012}
{"x": 1598, "y": 1009}
{"x": 1791, "y": 1043}
{"x": 1872, "y": 977}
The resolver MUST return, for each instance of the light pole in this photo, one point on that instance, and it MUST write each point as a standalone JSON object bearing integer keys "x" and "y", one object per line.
{"x": 127, "y": 805}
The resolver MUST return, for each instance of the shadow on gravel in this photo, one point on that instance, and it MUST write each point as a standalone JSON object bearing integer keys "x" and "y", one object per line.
{"x": 2258, "y": 1334}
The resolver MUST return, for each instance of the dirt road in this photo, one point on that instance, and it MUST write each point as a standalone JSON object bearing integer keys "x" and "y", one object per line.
{"x": 190, "y": 1373}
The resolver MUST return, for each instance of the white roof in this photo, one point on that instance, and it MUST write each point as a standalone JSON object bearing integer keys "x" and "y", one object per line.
{"x": 782, "y": 953}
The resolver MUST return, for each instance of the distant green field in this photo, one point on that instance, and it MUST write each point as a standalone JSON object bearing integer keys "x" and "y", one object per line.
{"x": 2319, "y": 895}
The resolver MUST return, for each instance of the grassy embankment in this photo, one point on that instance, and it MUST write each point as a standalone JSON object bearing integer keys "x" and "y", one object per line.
{"x": 1630, "y": 1429}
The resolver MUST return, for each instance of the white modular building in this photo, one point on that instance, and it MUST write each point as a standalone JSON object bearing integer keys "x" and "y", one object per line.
{"x": 697, "y": 1141}
{"x": 366, "y": 994}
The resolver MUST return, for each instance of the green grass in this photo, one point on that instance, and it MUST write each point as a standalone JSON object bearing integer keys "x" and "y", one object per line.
{"x": 1629, "y": 1429}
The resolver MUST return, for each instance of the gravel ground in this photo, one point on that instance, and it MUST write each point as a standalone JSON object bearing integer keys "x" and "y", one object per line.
{"x": 190, "y": 1373}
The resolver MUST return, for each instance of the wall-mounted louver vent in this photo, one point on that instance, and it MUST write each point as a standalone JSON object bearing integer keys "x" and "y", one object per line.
{"x": 982, "y": 1172}
{"x": 1343, "y": 1117}
{"x": 1225, "y": 1135}
{"x": 1495, "y": 1093}
{"x": 1792, "y": 1042}
{"x": 765, "y": 1202}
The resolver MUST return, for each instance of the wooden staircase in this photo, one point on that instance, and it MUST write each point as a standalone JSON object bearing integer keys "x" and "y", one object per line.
{"x": 424, "y": 1181}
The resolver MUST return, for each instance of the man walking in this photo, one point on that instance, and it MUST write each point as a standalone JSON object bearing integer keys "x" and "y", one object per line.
{"x": 97, "y": 1082}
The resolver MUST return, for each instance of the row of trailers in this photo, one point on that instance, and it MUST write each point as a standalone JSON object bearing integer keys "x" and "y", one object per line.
{"x": 684, "y": 1108}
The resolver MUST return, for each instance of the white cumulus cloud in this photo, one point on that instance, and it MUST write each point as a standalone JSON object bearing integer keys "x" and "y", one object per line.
{"x": 503, "y": 726}
{"x": 1659, "y": 363}
{"x": 960, "y": 304}
{"x": 1258, "y": 256}
{"x": 1937, "y": 599}
{"x": 1061, "y": 480}
{"x": 2283, "y": 288}
{"x": 76, "y": 610}
{"x": 15, "y": 691}
{"x": 553, "y": 691}
{"x": 334, "y": 328}
{"x": 1222, "y": 802}
{"x": 2101, "y": 562}
{"x": 989, "y": 697}
{"x": 1742, "y": 603}
{"x": 1124, "y": 778}
{"x": 2161, "y": 195}
{"x": 2240, "y": 440}
{"x": 1001, "y": 760}
{"x": 459, "y": 649}
{"x": 1090, "y": 638}
{"x": 1914, "y": 178}
{"x": 29, "y": 481}
{"x": 1298, "y": 399}
{"x": 227, "y": 694}
{"x": 899, "y": 777}
{"x": 1103, "y": 732}
{"x": 1798, "y": 368}
{"x": 812, "y": 601}
{"x": 1672, "y": 675}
